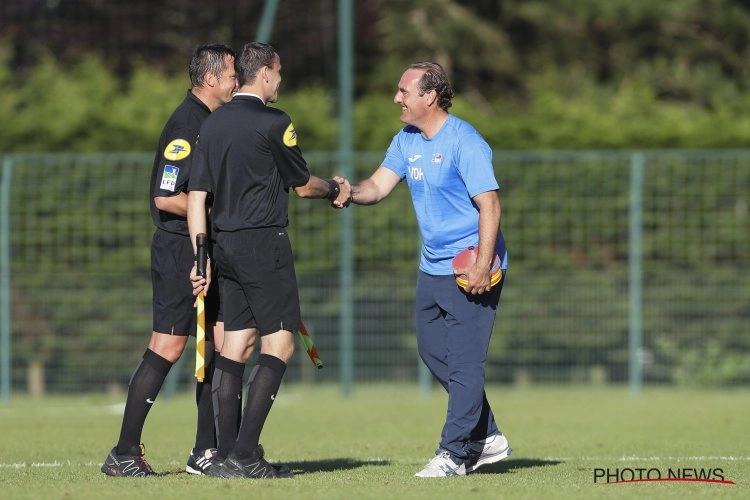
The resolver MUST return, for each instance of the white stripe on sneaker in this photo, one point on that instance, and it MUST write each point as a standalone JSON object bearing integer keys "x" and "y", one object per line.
{"x": 491, "y": 450}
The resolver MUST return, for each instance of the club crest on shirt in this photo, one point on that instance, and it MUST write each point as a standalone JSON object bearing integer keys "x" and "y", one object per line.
{"x": 176, "y": 150}
{"x": 290, "y": 136}
{"x": 169, "y": 177}
{"x": 437, "y": 158}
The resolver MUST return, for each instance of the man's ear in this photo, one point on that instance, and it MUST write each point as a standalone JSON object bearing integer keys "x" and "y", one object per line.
{"x": 431, "y": 97}
{"x": 210, "y": 79}
{"x": 264, "y": 73}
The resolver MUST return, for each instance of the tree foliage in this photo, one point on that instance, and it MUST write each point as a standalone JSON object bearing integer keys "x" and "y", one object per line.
{"x": 529, "y": 74}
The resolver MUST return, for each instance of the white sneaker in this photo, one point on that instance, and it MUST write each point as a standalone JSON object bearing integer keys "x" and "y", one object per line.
{"x": 200, "y": 461}
{"x": 488, "y": 451}
{"x": 442, "y": 466}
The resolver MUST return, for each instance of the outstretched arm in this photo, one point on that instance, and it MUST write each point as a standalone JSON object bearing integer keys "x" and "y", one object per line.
{"x": 372, "y": 190}
{"x": 333, "y": 190}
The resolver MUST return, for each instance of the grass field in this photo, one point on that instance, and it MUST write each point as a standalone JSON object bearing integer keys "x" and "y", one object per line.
{"x": 370, "y": 444}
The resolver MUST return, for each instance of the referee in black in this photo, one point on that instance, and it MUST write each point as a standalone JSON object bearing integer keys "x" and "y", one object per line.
{"x": 213, "y": 82}
{"x": 247, "y": 158}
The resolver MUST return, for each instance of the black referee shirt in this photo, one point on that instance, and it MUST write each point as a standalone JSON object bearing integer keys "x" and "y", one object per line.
{"x": 173, "y": 160}
{"x": 247, "y": 158}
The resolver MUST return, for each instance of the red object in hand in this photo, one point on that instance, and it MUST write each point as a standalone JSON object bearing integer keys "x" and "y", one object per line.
{"x": 466, "y": 258}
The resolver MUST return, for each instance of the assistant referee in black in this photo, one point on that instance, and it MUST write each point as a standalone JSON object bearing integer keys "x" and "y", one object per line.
{"x": 212, "y": 77}
{"x": 247, "y": 158}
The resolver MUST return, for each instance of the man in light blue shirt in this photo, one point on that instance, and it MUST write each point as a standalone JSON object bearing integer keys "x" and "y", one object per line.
{"x": 448, "y": 168}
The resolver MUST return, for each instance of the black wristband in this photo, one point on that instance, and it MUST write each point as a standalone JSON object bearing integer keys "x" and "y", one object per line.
{"x": 333, "y": 190}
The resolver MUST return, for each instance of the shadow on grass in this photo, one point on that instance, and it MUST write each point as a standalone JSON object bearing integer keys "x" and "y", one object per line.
{"x": 331, "y": 464}
{"x": 312, "y": 466}
{"x": 340, "y": 464}
{"x": 513, "y": 464}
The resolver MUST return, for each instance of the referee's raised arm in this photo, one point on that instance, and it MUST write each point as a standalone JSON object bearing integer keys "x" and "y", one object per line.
{"x": 329, "y": 189}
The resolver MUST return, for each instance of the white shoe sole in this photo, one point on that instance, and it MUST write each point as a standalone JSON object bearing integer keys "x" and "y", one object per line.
{"x": 489, "y": 459}
{"x": 190, "y": 470}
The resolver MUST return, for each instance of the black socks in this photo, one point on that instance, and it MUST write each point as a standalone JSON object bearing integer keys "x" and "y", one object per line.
{"x": 227, "y": 402}
{"x": 205, "y": 434}
{"x": 143, "y": 388}
{"x": 262, "y": 387}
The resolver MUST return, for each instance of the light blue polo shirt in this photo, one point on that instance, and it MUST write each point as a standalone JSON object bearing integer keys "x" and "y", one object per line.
{"x": 444, "y": 173}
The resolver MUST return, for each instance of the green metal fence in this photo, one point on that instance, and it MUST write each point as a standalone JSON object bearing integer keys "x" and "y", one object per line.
{"x": 625, "y": 267}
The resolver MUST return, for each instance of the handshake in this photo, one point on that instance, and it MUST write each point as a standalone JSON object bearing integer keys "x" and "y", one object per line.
{"x": 345, "y": 195}
{"x": 367, "y": 191}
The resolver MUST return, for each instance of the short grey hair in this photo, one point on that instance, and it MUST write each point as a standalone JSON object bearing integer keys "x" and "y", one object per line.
{"x": 208, "y": 58}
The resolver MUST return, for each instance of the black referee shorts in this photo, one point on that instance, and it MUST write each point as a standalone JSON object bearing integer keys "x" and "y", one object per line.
{"x": 171, "y": 261}
{"x": 259, "y": 283}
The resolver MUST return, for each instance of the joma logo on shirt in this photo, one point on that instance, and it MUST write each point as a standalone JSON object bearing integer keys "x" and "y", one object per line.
{"x": 416, "y": 173}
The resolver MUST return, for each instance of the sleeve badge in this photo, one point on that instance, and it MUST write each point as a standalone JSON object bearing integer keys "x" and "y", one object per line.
{"x": 290, "y": 136}
{"x": 178, "y": 149}
{"x": 169, "y": 177}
